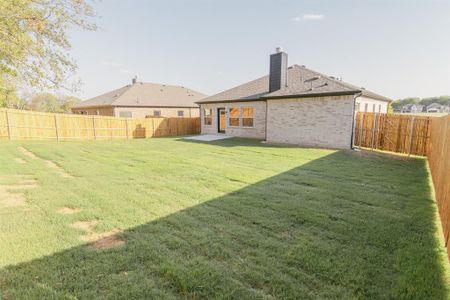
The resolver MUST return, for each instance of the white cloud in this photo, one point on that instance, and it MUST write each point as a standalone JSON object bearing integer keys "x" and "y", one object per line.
{"x": 308, "y": 17}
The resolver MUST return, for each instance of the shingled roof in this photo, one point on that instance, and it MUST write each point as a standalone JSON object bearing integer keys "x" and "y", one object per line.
{"x": 302, "y": 82}
{"x": 146, "y": 94}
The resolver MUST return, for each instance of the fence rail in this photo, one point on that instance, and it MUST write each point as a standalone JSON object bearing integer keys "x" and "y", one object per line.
{"x": 439, "y": 161}
{"x": 21, "y": 125}
{"x": 397, "y": 133}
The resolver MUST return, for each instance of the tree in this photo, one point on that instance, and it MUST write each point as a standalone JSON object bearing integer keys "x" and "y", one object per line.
{"x": 44, "y": 102}
{"x": 33, "y": 39}
{"x": 66, "y": 103}
{"x": 398, "y": 104}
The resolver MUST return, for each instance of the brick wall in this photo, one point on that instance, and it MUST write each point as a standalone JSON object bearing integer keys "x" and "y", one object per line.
{"x": 102, "y": 111}
{"x": 139, "y": 112}
{"x": 318, "y": 122}
{"x": 259, "y": 121}
{"x": 167, "y": 112}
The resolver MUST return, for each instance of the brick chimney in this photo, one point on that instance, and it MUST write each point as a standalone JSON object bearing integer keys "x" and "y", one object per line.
{"x": 278, "y": 70}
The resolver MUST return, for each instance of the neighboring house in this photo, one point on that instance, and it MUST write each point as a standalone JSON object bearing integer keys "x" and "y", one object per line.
{"x": 292, "y": 105}
{"x": 412, "y": 108}
{"x": 437, "y": 108}
{"x": 139, "y": 100}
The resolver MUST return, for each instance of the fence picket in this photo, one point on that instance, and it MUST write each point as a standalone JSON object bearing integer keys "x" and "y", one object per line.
{"x": 390, "y": 132}
{"x": 21, "y": 124}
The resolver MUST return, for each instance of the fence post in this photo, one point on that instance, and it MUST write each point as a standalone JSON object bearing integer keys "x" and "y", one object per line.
{"x": 361, "y": 129}
{"x": 126, "y": 127}
{"x": 93, "y": 127}
{"x": 56, "y": 128}
{"x": 153, "y": 126}
{"x": 411, "y": 136}
{"x": 8, "y": 125}
{"x": 374, "y": 127}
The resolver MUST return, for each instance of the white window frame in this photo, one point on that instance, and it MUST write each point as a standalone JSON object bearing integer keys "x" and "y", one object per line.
{"x": 203, "y": 116}
{"x": 228, "y": 112}
{"x": 241, "y": 122}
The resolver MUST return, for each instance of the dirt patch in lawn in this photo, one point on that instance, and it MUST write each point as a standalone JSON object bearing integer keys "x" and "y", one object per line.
{"x": 19, "y": 160}
{"x": 87, "y": 226}
{"x": 58, "y": 169}
{"x": 68, "y": 210}
{"x": 27, "y": 153}
{"x": 105, "y": 240}
{"x": 50, "y": 164}
{"x": 11, "y": 195}
{"x": 98, "y": 241}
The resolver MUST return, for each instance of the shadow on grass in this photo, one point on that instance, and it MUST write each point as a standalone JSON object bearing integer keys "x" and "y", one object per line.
{"x": 343, "y": 226}
{"x": 238, "y": 142}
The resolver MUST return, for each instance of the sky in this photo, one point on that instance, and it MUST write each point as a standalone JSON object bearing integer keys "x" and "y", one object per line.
{"x": 398, "y": 48}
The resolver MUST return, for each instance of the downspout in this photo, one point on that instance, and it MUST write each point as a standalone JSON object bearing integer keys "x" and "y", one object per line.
{"x": 265, "y": 125}
{"x": 352, "y": 140}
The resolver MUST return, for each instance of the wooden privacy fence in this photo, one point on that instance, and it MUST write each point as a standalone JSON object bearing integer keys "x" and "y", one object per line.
{"x": 390, "y": 132}
{"x": 22, "y": 124}
{"x": 439, "y": 161}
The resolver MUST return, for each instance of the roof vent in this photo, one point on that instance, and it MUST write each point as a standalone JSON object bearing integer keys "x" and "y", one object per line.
{"x": 312, "y": 79}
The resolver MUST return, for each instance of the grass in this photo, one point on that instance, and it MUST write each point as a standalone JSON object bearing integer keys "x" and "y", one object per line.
{"x": 232, "y": 219}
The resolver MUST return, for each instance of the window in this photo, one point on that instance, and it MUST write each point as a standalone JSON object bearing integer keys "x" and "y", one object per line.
{"x": 207, "y": 116}
{"x": 247, "y": 117}
{"x": 357, "y": 107}
{"x": 156, "y": 113}
{"x": 379, "y": 108}
{"x": 180, "y": 113}
{"x": 125, "y": 114}
{"x": 366, "y": 106}
{"x": 373, "y": 108}
{"x": 234, "y": 116}
{"x": 97, "y": 112}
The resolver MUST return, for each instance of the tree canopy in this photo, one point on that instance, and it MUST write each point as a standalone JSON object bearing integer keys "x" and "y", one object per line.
{"x": 34, "y": 42}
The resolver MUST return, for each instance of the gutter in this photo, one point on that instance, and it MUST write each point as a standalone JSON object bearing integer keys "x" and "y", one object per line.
{"x": 344, "y": 93}
{"x": 352, "y": 139}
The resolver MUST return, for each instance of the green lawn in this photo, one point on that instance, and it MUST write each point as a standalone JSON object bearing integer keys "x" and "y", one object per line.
{"x": 230, "y": 219}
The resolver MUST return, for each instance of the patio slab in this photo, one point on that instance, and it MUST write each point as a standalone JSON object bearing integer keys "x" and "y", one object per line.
{"x": 208, "y": 137}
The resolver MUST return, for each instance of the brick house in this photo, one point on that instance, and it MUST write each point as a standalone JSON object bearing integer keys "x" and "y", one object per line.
{"x": 139, "y": 99}
{"x": 291, "y": 105}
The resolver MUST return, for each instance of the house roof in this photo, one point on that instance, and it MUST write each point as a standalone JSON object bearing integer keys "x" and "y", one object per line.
{"x": 302, "y": 82}
{"x": 146, "y": 94}
{"x": 434, "y": 104}
{"x": 411, "y": 105}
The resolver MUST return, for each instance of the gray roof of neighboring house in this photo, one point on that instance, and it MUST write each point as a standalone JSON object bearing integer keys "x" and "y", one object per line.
{"x": 298, "y": 85}
{"x": 409, "y": 106}
{"x": 146, "y": 94}
{"x": 435, "y": 104}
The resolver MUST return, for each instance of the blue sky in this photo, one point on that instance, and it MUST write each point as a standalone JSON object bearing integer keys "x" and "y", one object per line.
{"x": 397, "y": 48}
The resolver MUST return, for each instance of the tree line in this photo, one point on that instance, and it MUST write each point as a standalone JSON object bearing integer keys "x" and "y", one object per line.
{"x": 45, "y": 102}
{"x": 398, "y": 104}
